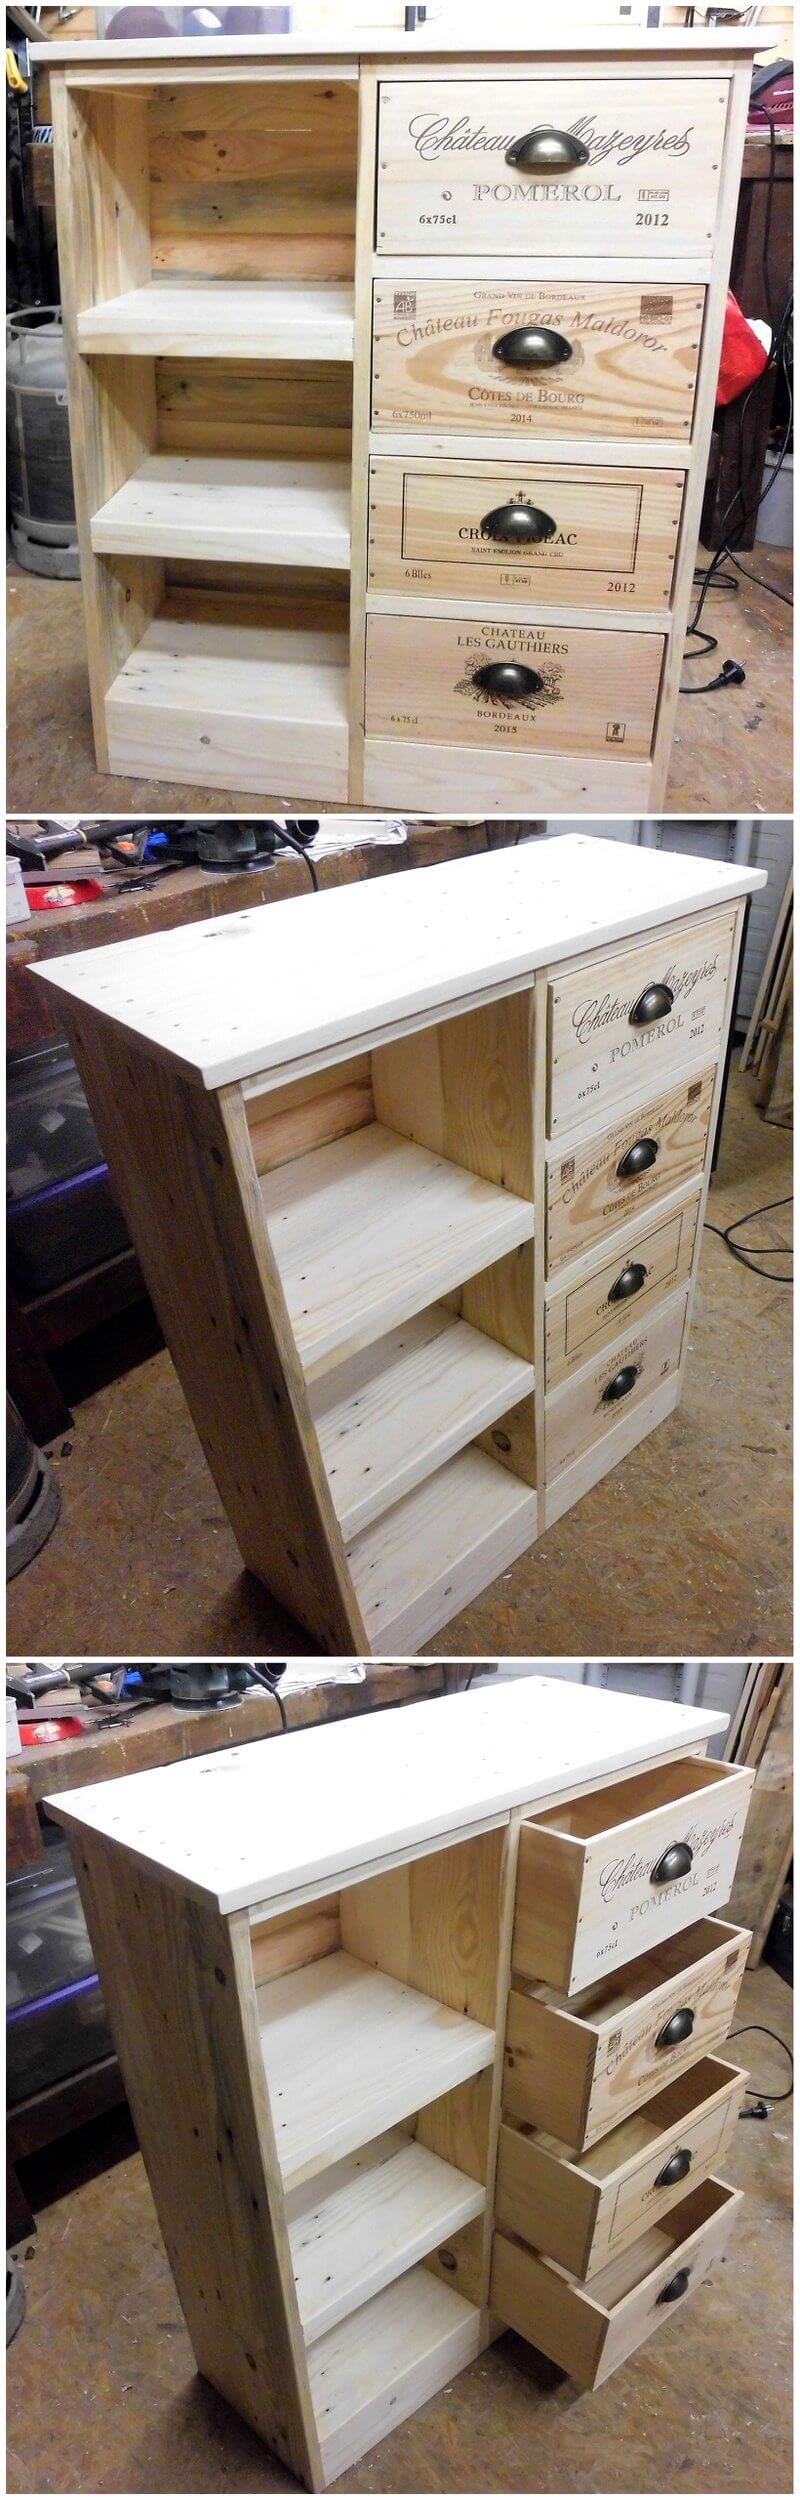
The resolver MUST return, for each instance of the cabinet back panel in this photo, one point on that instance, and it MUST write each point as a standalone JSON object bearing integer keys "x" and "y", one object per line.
{"x": 293, "y": 1119}
{"x": 253, "y": 183}
{"x": 259, "y": 409}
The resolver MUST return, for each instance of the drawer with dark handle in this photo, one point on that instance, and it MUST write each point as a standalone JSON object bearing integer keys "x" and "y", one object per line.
{"x": 557, "y": 689}
{"x": 485, "y": 356}
{"x": 589, "y": 2333}
{"x": 622, "y": 1017}
{"x": 584, "y": 2208}
{"x": 625, "y": 1376}
{"x": 597, "y": 1186}
{"x": 581, "y": 1319}
{"x": 595, "y": 537}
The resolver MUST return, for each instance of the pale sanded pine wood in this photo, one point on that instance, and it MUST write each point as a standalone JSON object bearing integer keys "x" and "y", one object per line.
{"x": 370, "y": 1229}
{"x": 348, "y": 2052}
{"x": 462, "y": 1089}
{"x": 597, "y": 688}
{"x": 196, "y": 316}
{"x": 177, "y": 1982}
{"x": 612, "y": 537}
{"x": 185, "y": 1176}
{"x": 590, "y": 2333}
{"x": 310, "y": 1111}
{"x": 626, "y": 375}
{"x": 295, "y": 1937}
{"x": 598, "y": 1055}
{"x": 245, "y": 511}
{"x": 256, "y": 184}
{"x": 585, "y": 1408}
{"x": 183, "y": 54}
{"x": 384, "y": 2362}
{"x": 362, "y": 350}
{"x": 601, "y": 1456}
{"x": 268, "y": 409}
{"x": 586, "y": 1892}
{"x": 391, "y": 1416}
{"x": 588, "y": 1197}
{"x": 422, "y": 774}
{"x": 368, "y": 2220}
{"x": 576, "y": 2068}
{"x": 584, "y": 2210}
{"x": 582, "y": 1318}
{"x": 438, "y": 1547}
{"x": 217, "y": 697}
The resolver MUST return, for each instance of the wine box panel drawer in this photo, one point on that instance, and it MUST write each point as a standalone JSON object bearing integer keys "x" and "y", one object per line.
{"x": 589, "y": 2334}
{"x": 481, "y": 355}
{"x": 581, "y": 1319}
{"x": 599, "y": 1186}
{"x": 584, "y": 2209}
{"x": 597, "y": 1879}
{"x": 600, "y": 538}
{"x": 628, "y": 1373}
{"x": 549, "y": 689}
{"x": 592, "y": 165}
{"x": 648, "y": 1006}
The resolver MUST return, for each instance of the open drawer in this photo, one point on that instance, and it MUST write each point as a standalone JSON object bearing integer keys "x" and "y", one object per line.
{"x": 590, "y": 2333}
{"x": 583, "y": 2209}
{"x": 599, "y": 1879}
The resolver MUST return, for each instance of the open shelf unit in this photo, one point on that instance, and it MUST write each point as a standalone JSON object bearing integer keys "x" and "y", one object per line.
{"x": 409, "y": 2050}
{"x": 447, "y": 1540}
{"x": 394, "y": 1413}
{"x": 207, "y": 686}
{"x": 379, "y": 2365}
{"x": 242, "y": 511}
{"x": 370, "y": 2219}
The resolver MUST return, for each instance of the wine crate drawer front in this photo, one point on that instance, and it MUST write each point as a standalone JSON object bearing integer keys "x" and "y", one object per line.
{"x": 647, "y": 1006}
{"x": 599, "y": 1186}
{"x": 591, "y": 2334}
{"x": 603, "y": 538}
{"x": 578, "y": 2066}
{"x": 598, "y": 1879}
{"x": 593, "y": 165}
{"x": 580, "y": 1412}
{"x": 562, "y": 690}
{"x": 584, "y": 2211}
{"x": 584, "y": 358}
{"x": 582, "y": 1319}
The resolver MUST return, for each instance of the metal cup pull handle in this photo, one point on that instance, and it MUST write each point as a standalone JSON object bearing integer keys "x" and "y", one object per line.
{"x": 536, "y": 348}
{"x": 676, "y": 2169}
{"x": 546, "y": 153}
{"x": 675, "y": 2288}
{"x": 630, "y": 1281}
{"x": 654, "y": 1003}
{"x": 517, "y": 524}
{"x": 679, "y": 2027}
{"x": 639, "y": 1158}
{"x": 509, "y": 678}
{"x": 621, "y": 1385}
{"x": 676, "y": 1862}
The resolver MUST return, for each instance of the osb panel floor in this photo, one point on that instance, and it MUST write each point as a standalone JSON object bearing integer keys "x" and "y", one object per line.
{"x": 732, "y": 752}
{"x": 103, "y": 2396}
{"x": 682, "y": 1551}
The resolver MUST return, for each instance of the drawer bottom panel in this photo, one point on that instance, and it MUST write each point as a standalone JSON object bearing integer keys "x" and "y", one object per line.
{"x": 590, "y": 2333}
{"x": 559, "y": 689}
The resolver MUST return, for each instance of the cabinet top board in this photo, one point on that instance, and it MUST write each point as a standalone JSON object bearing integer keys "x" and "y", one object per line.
{"x": 256, "y": 992}
{"x": 347, "y": 49}
{"x": 266, "y": 1821}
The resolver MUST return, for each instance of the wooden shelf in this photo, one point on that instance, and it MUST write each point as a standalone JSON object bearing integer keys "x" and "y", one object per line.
{"x": 348, "y": 2052}
{"x": 231, "y": 511}
{"x": 206, "y": 696}
{"x": 382, "y": 2209}
{"x": 370, "y": 1229}
{"x": 247, "y": 317}
{"x": 375, "y": 2369}
{"x": 439, "y": 1548}
{"x": 396, "y": 1412}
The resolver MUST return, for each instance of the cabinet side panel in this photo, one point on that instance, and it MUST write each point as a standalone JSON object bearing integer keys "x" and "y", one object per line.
{"x": 183, "y": 1167}
{"x": 177, "y": 1981}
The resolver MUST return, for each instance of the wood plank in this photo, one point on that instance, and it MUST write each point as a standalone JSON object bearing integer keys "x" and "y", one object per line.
{"x": 368, "y": 1230}
{"x": 383, "y": 2363}
{"x": 196, "y": 316}
{"x": 244, "y": 706}
{"x": 626, "y": 372}
{"x": 348, "y": 2052}
{"x": 379, "y": 2212}
{"x": 768, "y": 1836}
{"x": 441, "y": 1545}
{"x": 463, "y": 1089}
{"x": 391, "y": 1416}
{"x": 245, "y": 511}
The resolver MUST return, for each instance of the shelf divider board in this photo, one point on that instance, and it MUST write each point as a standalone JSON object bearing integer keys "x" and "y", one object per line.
{"x": 209, "y": 695}
{"x": 293, "y": 512}
{"x": 438, "y": 1548}
{"x": 375, "y": 2369}
{"x": 397, "y": 1411}
{"x": 368, "y": 1230}
{"x": 348, "y": 2052}
{"x": 379, "y": 2212}
{"x": 224, "y": 317}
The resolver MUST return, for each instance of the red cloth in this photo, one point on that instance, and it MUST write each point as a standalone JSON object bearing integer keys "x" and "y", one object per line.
{"x": 743, "y": 357}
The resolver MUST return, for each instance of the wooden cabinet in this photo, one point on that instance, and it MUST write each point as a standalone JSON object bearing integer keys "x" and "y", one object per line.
{"x": 307, "y": 1950}
{"x": 409, "y": 1327}
{"x": 278, "y": 265}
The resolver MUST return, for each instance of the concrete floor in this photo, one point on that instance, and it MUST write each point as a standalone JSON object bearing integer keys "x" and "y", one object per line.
{"x": 732, "y": 752}
{"x": 683, "y": 1551}
{"x": 103, "y": 2395}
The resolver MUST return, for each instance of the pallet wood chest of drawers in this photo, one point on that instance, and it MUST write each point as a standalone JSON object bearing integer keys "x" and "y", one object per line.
{"x": 416, "y": 1173}
{"x": 279, "y": 264}
{"x": 307, "y": 1948}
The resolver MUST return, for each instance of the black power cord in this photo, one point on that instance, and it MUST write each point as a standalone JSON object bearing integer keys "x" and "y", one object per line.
{"x": 748, "y": 1253}
{"x": 751, "y": 2090}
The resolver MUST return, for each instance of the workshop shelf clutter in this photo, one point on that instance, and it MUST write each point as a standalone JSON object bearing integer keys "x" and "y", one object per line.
{"x": 391, "y": 379}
